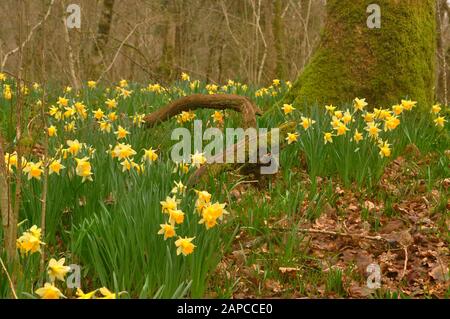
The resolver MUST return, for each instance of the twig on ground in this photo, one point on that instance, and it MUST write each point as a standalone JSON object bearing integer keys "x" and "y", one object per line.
{"x": 333, "y": 233}
{"x": 11, "y": 285}
{"x": 405, "y": 265}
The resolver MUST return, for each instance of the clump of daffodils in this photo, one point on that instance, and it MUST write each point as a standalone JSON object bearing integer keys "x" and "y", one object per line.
{"x": 210, "y": 214}
{"x": 56, "y": 270}
{"x": 439, "y": 120}
{"x": 377, "y": 123}
{"x": 185, "y": 117}
{"x": 30, "y": 241}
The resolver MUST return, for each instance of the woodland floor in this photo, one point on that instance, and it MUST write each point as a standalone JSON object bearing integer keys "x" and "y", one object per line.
{"x": 412, "y": 249}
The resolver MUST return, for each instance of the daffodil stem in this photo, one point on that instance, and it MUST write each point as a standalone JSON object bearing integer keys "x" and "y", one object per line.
{"x": 44, "y": 182}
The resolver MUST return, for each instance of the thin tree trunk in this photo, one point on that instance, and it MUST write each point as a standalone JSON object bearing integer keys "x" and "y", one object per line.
{"x": 278, "y": 34}
{"x": 101, "y": 38}
{"x": 168, "y": 52}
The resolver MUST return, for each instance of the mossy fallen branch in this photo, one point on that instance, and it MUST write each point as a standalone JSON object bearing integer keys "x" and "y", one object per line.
{"x": 238, "y": 103}
{"x": 217, "y": 168}
{"x": 241, "y": 104}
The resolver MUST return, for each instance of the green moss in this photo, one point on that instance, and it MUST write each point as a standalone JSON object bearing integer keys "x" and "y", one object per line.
{"x": 382, "y": 65}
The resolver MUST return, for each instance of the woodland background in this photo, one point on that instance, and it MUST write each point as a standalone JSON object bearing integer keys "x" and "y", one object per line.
{"x": 155, "y": 40}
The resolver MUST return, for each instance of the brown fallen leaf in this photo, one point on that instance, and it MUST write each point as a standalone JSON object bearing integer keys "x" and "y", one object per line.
{"x": 391, "y": 226}
{"x": 369, "y": 205}
{"x": 239, "y": 257}
{"x": 439, "y": 273}
{"x": 273, "y": 285}
{"x": 285, "y": 270}
{"x": 356, "y": 291}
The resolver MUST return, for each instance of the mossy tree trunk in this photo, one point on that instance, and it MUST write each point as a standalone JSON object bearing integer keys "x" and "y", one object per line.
{"x": 382, "y": 64}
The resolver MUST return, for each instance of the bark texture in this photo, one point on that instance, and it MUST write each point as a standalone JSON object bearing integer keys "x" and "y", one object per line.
{"x": 382, "y": 65}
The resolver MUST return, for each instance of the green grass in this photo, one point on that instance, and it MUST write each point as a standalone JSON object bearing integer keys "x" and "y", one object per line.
{"x": 109, "y": 226}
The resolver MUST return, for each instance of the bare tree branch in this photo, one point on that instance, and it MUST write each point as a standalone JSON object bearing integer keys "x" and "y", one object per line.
{"x": 30, "y": 35}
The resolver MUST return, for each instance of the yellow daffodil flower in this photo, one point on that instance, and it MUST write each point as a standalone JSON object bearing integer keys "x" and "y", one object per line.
{"x": 52, "y": 131}
{"x": 167, "y": 230}
{"x": 359, "y": 104}
{"x": 49, "y": 291}
{"x": 111, "y": 103}
{"x": 408, "y": 104}
{"x": 440, "y": 121}
{"x": 84, "y": 168}
{"x": 33, "y": 170}
{"x": 217, "y": 117}
{"x": 171, "y": 203}
{"x": 81, "y": 295}
{"x": 435, "y": 109}
{"x": 57, "y": 270}
{"x": 328, "y": 137}
{"x": 288, "y": 108}
{"x": 150, "y": 155}
{"x": 121, "y": 133}
{"x": 185, "y": 246}
{"x": 357, "y": 137}
{"x": 385, "y": 150}
{"x": 292, "y": 137}
{"x": 55, "y": 167}
{"x": 198, "y": 159}
{"x": 306, "y": 122}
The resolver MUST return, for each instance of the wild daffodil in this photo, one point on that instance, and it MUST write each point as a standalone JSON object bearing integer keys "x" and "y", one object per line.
{"x": 81, "y": 295}
{"x": 385, "y": 150}
{"x": 328, "y": 137}
{"x": 57, "y": 270}
{"x": 49, "y": 291}
{"x": 167, "y": 230}
{"x": 55, "y": 167}
{"x": 121, "y": 133}
{"x": 306, "y": 122}
{"x": 198, "y": 159}
{"x": 435, "y": 109}
{"x": 84, "y": 168}
{"x": 185, "y": 246}
{"x": 52, "y": 131}
{"x": 34, "y": 170}
{"x": 150, "y": 155}
{"x": 357, "y": 137}
{"x": 292, "y": 137}
{"x": 171, "y": 203}
{"x": 440, "y": 121}
{"x": 288, "y": 108}
{"x": 408, "y": 104}
{"x": 359, "y": 104}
